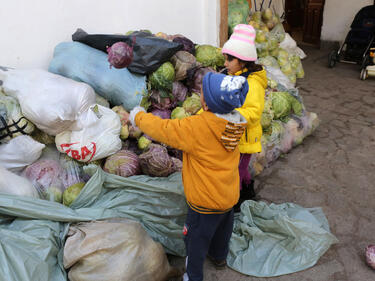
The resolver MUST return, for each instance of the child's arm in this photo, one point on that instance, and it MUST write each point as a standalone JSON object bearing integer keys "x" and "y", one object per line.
{"x": 253, "y": 107}
{"x": 173, "y": 132}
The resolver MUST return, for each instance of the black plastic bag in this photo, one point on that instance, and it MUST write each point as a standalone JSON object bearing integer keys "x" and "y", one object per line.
{"x": 148, "y": 54}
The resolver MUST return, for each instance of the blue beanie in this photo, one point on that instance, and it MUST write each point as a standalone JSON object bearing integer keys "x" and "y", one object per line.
{"x": 223, "y": 93}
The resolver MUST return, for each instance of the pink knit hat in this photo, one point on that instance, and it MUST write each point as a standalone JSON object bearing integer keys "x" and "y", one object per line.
{"x": 241, "y": 43}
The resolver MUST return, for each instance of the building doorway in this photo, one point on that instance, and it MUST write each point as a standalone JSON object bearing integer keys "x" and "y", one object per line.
{"x": 304, "y": 19}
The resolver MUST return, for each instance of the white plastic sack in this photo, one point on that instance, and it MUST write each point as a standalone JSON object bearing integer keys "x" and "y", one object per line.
{"x": 95, "y": 135}
{"x": 13, "y": 184}
{"x": 20, "y": 152}
{"x": 277, "y": 75}
{"x": 52, "y": 102}
{"x": 290, "y": 45}
{"x": 114, "y": 250}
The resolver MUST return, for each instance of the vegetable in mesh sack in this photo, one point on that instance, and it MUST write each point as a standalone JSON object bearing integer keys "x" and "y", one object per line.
{"x": 156, "y": 161}
{"x": 268, "y": 61}
{"x": 282, "y": 57}
{"x": 192, "y": 104}
{"x": 287, "y": 69}
{"x": 187, "y": 43}
{"x": 267, "y": 14}
{"x": 267, "y": 115}
{"x": 294, "y": 61}
{"x": 72, "y": 171}
{"x": 256, "y": 17}
{"x": 238, "y": 12}
{"x": 46, "y": 176}
{"x": 124, "y": 163}
{"x": 163, "y": 77}
{"x": 209, "y": 55}
{"x": 183, "y": 61}
{"x": 179, "y": 113}
{"x": 261, "y": 36}
{"x": 12, "y": 122}
{"x": 275, "y": 131}
{"x": 292, "y": 77}
{"x": 300, "y": 73}
{"x": 274, "y": 52}
{"x": 71, "y": 193}
{"x": 278, "y": 32}
{"x": 281, "y": 104}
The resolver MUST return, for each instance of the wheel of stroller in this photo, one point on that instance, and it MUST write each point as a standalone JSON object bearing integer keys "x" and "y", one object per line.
{"x": 363, "y": 74}
{"x": 332, "y": 59}
{"x": 365, "y": 61}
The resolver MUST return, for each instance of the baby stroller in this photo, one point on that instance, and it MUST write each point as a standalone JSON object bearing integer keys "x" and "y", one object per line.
{"x": 357, "y": 44}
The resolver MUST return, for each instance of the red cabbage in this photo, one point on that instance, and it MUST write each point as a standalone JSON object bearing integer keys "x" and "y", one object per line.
{"x": 163, "y": 114}
{"x": 161, "y": 99}
{"x": 124, "y": 163}
{"x": 156, "y": 161}
{"x": 179, "y": 91}
{"x": 195, "y": 77}
{"x": 120, "y": 54}
{"x": 187, "y": 43}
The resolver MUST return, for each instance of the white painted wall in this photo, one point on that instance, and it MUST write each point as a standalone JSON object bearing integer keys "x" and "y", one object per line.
{"x": 338, "y": 16}
{"x": 30, "y": 29}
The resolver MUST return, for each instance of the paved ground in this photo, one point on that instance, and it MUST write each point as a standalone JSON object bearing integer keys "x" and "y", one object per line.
{"x": 333, "y": 169}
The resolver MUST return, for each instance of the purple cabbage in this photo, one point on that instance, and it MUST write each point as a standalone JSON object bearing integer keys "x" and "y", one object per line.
{"x": 123, "y": 163}
{"x": 179, "y": 91}
{"x": 161, "y": 99}
{"x": 195, "y": 77}
{"x": 177, "y": 164}
{"x": 156, "y": 161}
{"x": 162, "y": 113}
{"x": 187, "y": 43}
{"x": 120, "y": 54}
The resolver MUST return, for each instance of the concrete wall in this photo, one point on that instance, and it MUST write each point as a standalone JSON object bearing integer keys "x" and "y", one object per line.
{"x": 30, "y": 29}
{"x": 338, "y": 16}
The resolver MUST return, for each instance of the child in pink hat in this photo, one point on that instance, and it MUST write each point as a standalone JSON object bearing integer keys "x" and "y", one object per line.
{"x": 240, "y": 56}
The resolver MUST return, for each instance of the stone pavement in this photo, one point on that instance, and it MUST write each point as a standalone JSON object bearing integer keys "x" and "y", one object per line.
{"x": 334, "y": 169}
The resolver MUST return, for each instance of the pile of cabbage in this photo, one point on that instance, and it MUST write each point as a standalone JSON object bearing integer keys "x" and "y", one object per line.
{"x": 270, "y": 34}
{"x": 285, "y": 123}
{"x": 173, "y": 92}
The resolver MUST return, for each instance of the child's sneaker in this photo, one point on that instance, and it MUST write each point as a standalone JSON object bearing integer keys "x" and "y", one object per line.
{"x": 217, "y": 264}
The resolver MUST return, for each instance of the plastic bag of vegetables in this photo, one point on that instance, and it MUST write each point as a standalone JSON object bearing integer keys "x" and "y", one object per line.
{"x": 19, "y": 185}
{"x": 106, "y": 250}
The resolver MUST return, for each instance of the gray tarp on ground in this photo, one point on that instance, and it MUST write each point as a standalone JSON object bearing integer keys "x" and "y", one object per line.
{"x": 268, "y": 240}
{"x": 272, "y": 240}
{"x": 29, "y": 245}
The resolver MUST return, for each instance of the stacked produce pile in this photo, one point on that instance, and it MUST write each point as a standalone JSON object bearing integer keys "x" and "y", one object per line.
{"x": 173, "y": 91}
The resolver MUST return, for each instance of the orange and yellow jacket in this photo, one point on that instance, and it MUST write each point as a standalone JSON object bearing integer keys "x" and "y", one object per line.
{"x": 252, "y": 110}
{"x": 210, "y": 155}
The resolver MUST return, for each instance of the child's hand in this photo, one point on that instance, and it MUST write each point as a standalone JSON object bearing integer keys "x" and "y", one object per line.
{"x": 133, "y": 113}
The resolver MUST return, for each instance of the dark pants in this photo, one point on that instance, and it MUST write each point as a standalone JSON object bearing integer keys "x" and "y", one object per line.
{"x": 206, "y": 234}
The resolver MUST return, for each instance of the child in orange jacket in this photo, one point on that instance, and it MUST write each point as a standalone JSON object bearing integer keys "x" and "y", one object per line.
{"x": 209, "y": 142}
